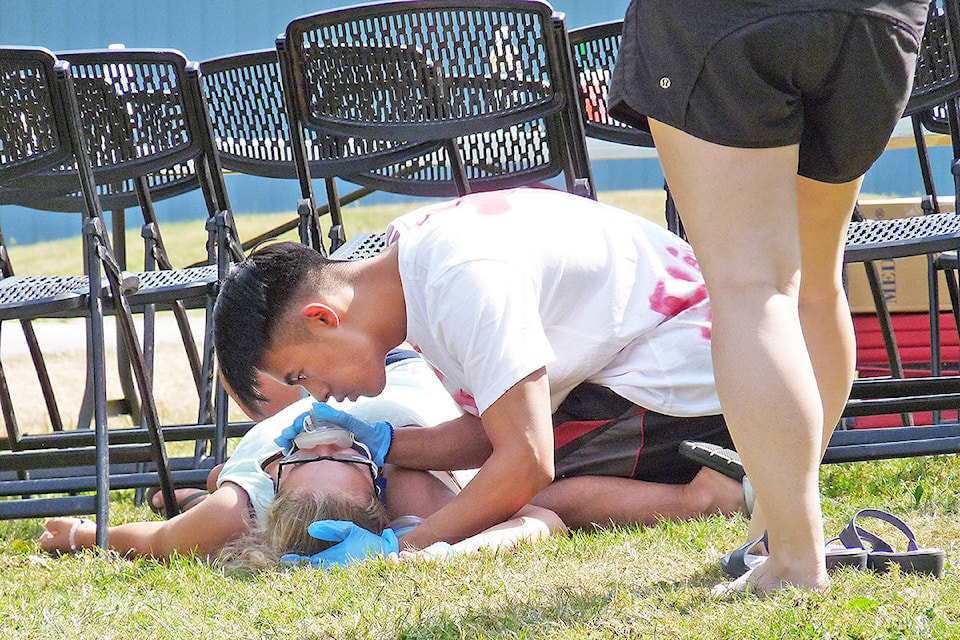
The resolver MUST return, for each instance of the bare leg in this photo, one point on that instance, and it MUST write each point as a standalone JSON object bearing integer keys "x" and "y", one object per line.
{"x": 825, "y": 211}
{"x": 589, "y": 501}
{"x": 740, "y": 210}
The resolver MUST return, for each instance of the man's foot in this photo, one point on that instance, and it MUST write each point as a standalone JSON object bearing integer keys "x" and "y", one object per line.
{"x": 716, "y": 492}
{"x": 762, "y": 581}
{"x": 186, "y": 499}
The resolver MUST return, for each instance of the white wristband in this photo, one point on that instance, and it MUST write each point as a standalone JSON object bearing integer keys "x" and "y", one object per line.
{"x": 72, "y": 536}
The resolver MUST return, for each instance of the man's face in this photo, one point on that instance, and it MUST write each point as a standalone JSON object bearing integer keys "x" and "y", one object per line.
{"x": 331, "y": 366}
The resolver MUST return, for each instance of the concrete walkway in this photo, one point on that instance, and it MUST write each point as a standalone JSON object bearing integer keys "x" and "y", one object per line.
{"x": 68, "y": 335}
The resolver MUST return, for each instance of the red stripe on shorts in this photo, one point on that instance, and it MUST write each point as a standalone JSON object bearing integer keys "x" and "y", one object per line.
{"x": 643, "y": 414}
{"x": 569, "y": 431}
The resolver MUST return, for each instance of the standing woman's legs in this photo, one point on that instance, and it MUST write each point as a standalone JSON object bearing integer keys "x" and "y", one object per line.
{"x": 740, "y": 210}
{"x": 825, "y": 212}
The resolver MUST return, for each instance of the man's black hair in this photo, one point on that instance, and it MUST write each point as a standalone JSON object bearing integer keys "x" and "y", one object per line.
{"x": 252, "y": 300}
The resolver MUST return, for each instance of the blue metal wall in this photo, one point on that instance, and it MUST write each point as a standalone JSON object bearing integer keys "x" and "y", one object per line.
{"x": 208, "y": 28}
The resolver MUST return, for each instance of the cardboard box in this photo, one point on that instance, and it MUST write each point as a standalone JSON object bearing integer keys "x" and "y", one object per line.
{"x": 903, "y": 280}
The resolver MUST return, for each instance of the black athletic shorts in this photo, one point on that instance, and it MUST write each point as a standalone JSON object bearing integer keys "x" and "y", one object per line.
{"x": 599, "y": 433}
{"x": 833, "y": 77}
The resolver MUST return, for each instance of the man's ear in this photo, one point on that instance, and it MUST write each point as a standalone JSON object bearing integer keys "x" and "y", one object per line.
{"x": 319, "y": 311}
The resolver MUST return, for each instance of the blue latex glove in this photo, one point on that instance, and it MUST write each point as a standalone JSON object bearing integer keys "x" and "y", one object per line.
{"x": 353, "y": 543}
{"x": 376, "y": 436}
{"x": 287, "y": 436}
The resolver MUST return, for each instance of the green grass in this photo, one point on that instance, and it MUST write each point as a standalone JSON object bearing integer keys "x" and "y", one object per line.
{"x": 624, "y": 582}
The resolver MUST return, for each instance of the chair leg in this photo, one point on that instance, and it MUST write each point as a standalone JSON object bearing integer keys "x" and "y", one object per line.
{"x": 129, "y": 405}
{"x": 886, "y": 330}
{"x": 936, "y": 355}
{"x": 458, "y": 170}
{"x": 950, "y": 275}
{"x": 40, "y": 366}
{"x": 141, "y": 374}
{"x": 674, "y": 223}
{"x": 336, "y": 233}
{"x": 97, "y": 368}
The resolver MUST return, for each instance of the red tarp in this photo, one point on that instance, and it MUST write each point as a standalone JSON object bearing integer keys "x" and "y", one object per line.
{"x": 913, "y": 341}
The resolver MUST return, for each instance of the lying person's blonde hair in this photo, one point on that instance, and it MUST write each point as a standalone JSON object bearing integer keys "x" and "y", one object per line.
{"x": 285, "y": 528}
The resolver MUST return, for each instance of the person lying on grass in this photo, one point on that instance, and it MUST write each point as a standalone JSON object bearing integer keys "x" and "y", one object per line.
{"x": 575, "y": 336}
{"x": 261, "y": 503}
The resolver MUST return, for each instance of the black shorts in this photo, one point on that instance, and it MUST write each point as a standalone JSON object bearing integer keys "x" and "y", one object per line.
{"x": 599, "y": 433}
{"x": 833, "y": 77}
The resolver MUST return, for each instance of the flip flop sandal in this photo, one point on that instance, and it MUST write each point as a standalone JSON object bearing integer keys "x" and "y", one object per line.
{"x": 721, "y": 460}
{"x": 739, "y": 561}
{"x": 881, "y": 555}
{"x": 182, "y": 504}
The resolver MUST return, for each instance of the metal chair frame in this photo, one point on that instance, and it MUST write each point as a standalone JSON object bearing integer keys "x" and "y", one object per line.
{"x": 150, "y": 139}
{"x": 163, "y": 131}
{"x": 42, "y": 131}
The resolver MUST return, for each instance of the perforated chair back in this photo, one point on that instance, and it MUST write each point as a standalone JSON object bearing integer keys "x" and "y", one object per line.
{"x": 245, "y": 98}
{"x": 490, "y": 79}
{"x": 594, "y": 56}
{"x": 33, "y": 117}
{"x": 388, "y": 71}
{"x": 937, "y": 76}
{"x": 139, "y": 113}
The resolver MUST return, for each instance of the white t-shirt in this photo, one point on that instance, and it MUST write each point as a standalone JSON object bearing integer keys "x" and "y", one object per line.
{"x": 413, "y": 395}
{"x": 500, "y": 284}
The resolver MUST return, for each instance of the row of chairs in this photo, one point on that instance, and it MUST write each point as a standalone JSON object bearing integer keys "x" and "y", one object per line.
{"x": 430, "y": 98}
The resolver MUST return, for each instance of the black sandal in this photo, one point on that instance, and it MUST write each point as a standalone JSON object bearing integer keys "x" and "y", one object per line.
{"x": 880, "y": 554}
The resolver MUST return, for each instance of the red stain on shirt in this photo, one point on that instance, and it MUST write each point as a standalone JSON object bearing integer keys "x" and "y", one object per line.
{"x": 664, "y": 302}
{"x": 672, "y": 294}
{"x": 466, "y": 402}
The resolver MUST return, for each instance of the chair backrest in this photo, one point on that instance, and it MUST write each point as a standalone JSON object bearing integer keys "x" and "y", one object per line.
{"x": 39, "y": 131}
{"x": 34, "y": 114}
{"x": 144, "y": 115}
{"x": 245, "y": 99}
{"x": 594, "y": 51}
{"x": 937, "y": 77}
{"x": 421, "y": 70}
{"x": 491, "y": 79}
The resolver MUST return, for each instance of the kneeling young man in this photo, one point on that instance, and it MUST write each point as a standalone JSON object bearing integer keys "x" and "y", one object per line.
{"x": 561, "y": 325}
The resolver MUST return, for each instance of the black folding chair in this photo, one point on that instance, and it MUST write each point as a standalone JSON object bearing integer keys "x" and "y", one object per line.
{"x": 41, "y": 132}
{"x": 594, "y": 52}
{"x": 246, "y": 102}
{"x": 153, "y": 140}
{"x": 149, "y": 137}
{"x": 934, "y": 234}
{"x": 487, "y": 82}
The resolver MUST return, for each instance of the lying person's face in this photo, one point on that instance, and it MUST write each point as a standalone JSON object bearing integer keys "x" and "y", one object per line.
{"x": 325, "y": 466}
